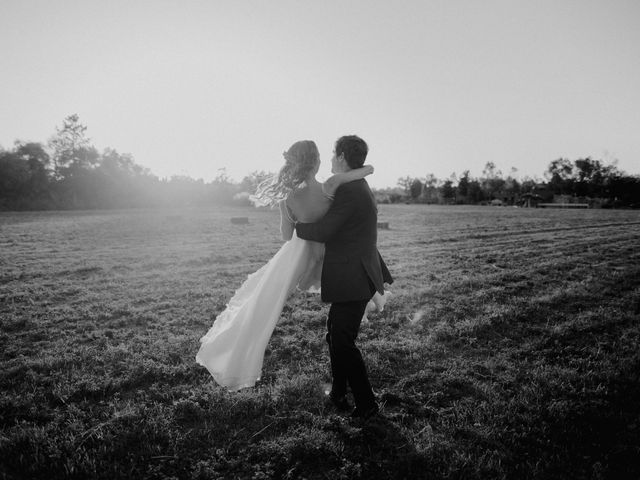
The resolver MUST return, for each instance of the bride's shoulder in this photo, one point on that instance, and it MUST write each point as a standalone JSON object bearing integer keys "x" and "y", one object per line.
{"x": 293, "y": 197}
{"x": 303, "y": 192}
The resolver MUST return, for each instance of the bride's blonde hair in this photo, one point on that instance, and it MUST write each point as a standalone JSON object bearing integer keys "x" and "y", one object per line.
{"x": 300, "y": 160}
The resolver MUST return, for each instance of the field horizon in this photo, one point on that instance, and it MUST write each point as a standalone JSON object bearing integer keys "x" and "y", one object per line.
{"x": 509, "y": 349}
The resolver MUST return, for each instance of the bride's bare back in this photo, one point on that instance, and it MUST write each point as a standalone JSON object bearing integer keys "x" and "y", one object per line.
{"x": 309, "y": 203}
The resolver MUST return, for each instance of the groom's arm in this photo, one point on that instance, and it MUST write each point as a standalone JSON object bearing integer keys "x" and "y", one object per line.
{"x": 340, "y": 211}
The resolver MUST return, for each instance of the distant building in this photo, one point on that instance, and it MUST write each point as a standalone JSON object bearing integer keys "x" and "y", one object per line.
{"x": 540, "y": 193}
{"x": 530, "y": 200}
{"x": 543, "y": 190}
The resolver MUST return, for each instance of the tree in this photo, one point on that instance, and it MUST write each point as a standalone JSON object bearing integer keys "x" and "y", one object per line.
{"x": 559, "y": 175}
{"x": 411, "y": 186}
{"x": 415, "y": 189}
{"x": 624, "y": 190}
{"x": 476, "y": 194}
{"x": 405, "y": 184}
{"x": 34, "y": 153}
{"x": 24, "y": 179}
{"x": 463, "y": 184}
{"x": 593, "y": 177}
{"x": 71, "y": 148}
{"x": 491, "y": 171}
{"x": 492, "y": 181}
{"x": 38, "y": 161}
{"x": 511, "y": 187}
{"x": 430, "y": 190}
{"x": 14, "y": 176}
{"x": 431, "y": 181}
{"x": 448, "y": 191}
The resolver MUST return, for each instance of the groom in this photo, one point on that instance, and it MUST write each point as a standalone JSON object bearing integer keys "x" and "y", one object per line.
{"x": 351, "y": 273}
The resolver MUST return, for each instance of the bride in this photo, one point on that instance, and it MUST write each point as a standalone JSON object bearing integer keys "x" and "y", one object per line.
{"x": 233, "y": 348}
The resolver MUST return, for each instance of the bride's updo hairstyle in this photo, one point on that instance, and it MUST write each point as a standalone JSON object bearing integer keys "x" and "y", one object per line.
{"x": 300, "y": 160}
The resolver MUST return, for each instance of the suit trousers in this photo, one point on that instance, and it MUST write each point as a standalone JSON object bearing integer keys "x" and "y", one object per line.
{"x": 347, "y": 366}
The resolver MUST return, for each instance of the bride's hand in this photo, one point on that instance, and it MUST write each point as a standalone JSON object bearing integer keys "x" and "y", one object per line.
{"x": 368, "y": 169}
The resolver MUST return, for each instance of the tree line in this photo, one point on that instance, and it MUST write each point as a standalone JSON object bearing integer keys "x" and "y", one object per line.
{"x": 69, "y": 173}
{"x": 584, "y": 180}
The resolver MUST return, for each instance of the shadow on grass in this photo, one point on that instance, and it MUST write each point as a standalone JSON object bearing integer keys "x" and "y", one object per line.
{"x": 334, "y": 447}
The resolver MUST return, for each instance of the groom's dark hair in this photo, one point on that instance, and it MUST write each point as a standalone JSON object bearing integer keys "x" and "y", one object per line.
{"x": 354, "y": 149}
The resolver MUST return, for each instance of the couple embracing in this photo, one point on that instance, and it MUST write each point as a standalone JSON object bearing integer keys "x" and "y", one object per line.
{"x": 330, "y": 230}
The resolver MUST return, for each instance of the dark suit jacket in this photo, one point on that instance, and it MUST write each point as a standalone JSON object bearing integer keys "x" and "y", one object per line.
{"x": 349, "y": 231}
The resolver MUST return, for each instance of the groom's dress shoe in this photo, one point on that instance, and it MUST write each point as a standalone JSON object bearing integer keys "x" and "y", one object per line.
{"x": 365, "y": 413}
{"x": 340, "y": 402}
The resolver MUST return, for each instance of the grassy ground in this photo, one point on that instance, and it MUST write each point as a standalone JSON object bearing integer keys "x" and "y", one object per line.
{"x": 509, "y": 350}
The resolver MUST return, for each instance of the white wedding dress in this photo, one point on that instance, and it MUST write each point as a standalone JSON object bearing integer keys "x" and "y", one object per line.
{"x": 233, "y": 349}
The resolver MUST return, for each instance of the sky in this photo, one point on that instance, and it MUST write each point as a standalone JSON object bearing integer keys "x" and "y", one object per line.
{"x": 434, "y": 86}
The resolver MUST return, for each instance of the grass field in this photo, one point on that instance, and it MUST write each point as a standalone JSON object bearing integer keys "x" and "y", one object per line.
{"x": 510, "y": 349}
